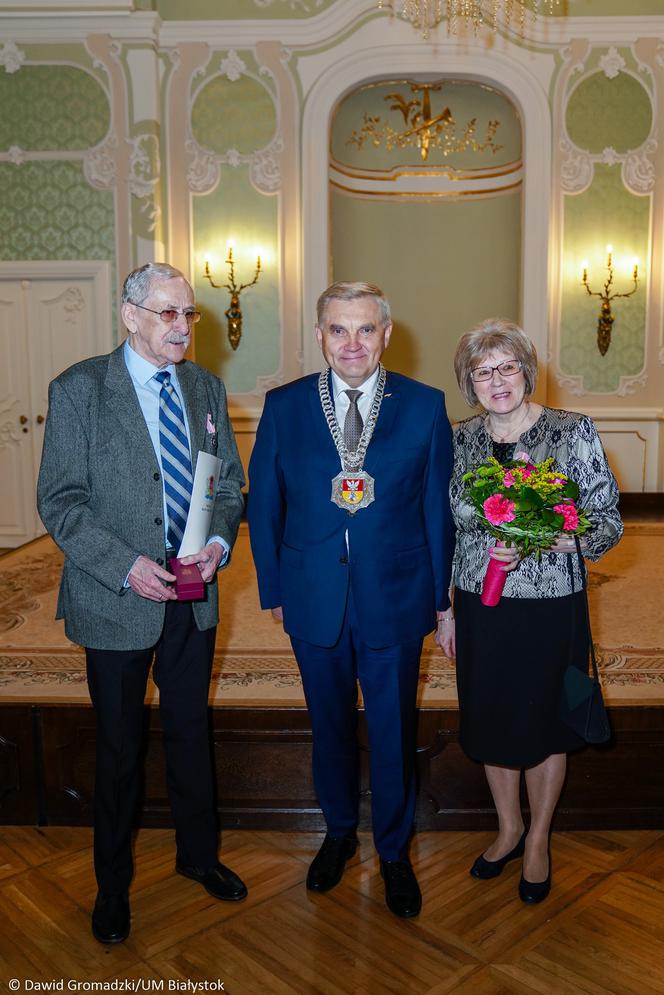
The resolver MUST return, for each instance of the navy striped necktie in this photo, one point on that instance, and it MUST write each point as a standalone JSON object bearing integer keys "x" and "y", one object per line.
{"x": 175, "y": 459}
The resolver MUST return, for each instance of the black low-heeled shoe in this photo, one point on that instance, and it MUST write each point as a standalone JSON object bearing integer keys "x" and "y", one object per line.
{"x": 484, "y": 869}
{"x": 532, "y": 892}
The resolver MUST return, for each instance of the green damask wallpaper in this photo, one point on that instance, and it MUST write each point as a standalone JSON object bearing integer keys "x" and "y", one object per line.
{"x": 599, "y": 103}
{"x": 238, "y": 114}
{"x": 49, "y": 211}
{"x": 51, "y": 107}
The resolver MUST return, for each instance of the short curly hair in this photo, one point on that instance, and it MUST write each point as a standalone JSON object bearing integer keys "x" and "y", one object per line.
{"x": 493, "y": 335}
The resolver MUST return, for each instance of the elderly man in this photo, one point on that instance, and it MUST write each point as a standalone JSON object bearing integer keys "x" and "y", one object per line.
{"x": 352, "y": 539}
{"x": 122, "y": 439}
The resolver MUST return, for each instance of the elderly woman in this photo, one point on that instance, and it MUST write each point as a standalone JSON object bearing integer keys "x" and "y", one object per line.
{"x": 511, "y": 658}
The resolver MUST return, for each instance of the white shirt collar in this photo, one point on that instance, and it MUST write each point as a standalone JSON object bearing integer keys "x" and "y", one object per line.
{"x": 368, "y": 387}
{"x": 142, "y": 370}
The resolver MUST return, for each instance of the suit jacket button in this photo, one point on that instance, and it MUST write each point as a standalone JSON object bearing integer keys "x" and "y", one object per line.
{"x": 159, "y": 562}
{"x": 158, "y": 521}
{"x": 155, "y": 476}
{"x": 343, "y": 559}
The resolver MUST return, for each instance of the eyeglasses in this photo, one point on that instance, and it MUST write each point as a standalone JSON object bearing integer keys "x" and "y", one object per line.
{"x": 170, "y": 314}
{"x": 509, "y": 368}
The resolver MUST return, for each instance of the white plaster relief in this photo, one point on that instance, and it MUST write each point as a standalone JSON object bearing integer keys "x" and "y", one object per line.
{"x": 629, "y": 385}
{"x": 232, "y": 66}
{"x": 568, "y": 54}
{"x": 263, "y": 384}
{"x": 265, "y": 171}
{"x": 576, "y": 170}
{"x": 660, "y": 56}
{"x": 9, "y": 433}
{"x": 152, "y": 213}
{"x": 73, "y": 302}
{"x": 203, "y": 169}
{"x": 11, "y": 57}
{"x": 16, "y": 155}
{"x": 574, "y": 385}
{"x": 144, "y": 164}
{"x": 99, "y": 165}
{"x": 612, "y": 63}
{"x": 305, "y": 5}
{"x": 609, "y": 156}
{"x": 638, "y": 170}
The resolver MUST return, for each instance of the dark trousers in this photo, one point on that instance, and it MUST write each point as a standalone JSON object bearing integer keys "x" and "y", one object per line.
{"x": 117, "y": 681}
{"x": 388, "y": 678}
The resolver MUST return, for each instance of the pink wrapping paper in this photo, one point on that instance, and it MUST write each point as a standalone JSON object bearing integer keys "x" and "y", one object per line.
{"x": 494, "y": 582}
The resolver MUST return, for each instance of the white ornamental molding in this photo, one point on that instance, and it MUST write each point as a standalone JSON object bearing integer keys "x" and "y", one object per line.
{"x": 579, "y": 66}
{"x": 660, "y": 56}
{"x": 144, "y": 164}
{"x": 232, "y": 66}
{"x": 203, "y": 169}
{"x": 574, "y": 385}
{"x": 576, "y": 169}
{"x": 306, "y": 6}
{"x": 609, "y": 156}
{"x": 629, "y": 385}
{"x": 151, "y": 211}
{"x": 612, "y": 63}
{"x": 263, "y": 384}
{"x": 265, "y": 171}
{"x": 99, "y": 165}
{"x": 73, "y": 302}
{"x": 8, "y": 433}
{"x": 16, "y": 155}
{"x": 11, "y": 57}
{"x": 638, "y": 169}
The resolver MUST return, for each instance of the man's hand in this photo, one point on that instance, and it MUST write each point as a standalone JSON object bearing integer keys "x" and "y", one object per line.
{"x": 208, "y": 560}
{"x": 277, "y": 614}
{"x": 446, "y": 634}
{"x": 148, "y": 580}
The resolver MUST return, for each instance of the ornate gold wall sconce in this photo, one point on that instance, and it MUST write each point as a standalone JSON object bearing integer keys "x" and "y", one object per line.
{"x": 606, "y": 318}
{"x": 233, "y": 312}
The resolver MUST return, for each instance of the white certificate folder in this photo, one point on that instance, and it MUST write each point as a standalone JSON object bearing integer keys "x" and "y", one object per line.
{"x": 203, "y": 494}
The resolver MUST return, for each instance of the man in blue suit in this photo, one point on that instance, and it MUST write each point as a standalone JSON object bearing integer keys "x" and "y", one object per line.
{"x": 352, "y": 538}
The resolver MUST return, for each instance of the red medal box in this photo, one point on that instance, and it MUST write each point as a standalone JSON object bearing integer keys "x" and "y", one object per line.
{"x": 189, "y": 585}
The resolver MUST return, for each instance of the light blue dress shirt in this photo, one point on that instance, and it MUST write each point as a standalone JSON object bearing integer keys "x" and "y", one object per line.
{"x": 147, "y": 389}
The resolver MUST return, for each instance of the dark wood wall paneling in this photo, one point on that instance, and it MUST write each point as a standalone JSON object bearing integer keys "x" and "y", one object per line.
{"x": 263, "y": 762}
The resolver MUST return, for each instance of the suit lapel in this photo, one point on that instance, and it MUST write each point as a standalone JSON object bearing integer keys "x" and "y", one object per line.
{"x": 122, "y": 400}
{"x": 327, "y": 446}
{"x": 380, "y": 439}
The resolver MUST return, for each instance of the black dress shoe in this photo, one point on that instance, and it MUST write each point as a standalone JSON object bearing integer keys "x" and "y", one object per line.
{"x": 219, "y": 881}
{"x": 328, "y": 865}
{"x": 485, "y": 869}
{"x": 402, "y": 892}
{"x": 532, "y": 892}
{"x": 110, "y": 919}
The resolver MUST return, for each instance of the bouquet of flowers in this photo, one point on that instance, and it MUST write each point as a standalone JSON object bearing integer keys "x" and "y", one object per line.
{"x": 523, "y": 504}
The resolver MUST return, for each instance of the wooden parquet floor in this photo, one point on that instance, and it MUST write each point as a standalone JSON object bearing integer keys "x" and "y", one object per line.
{"x": 601, "y": 930}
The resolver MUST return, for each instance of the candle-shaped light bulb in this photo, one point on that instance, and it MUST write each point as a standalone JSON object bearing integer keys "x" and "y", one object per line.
{"x": 584, "y": 266}
{"x": 207, "y": 267}
{"x": 229, "y": 257}
{"x": 635, "y": 263}
{"x": 258, "y": 263}
{"x": 609, "y": 256}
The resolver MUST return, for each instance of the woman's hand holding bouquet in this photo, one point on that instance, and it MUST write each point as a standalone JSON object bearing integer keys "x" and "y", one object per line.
{"x": 528, "y": 507}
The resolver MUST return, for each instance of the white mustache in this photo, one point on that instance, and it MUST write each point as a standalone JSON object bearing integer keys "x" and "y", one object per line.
{"x": 177, "y": 339}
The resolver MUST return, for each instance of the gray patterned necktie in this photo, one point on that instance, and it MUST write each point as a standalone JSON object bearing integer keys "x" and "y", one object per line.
{"x": 175, "y": 459}
{"x": 353, "y": 424}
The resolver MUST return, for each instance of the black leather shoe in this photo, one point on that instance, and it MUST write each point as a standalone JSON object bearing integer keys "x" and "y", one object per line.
{"x": 485, "y": 869}
{"x": 111, "y": 921}
{"x": 219, "y": 881}
{"x": 402, "y": 892}
{"x": 532, "y": 892}
{"x": 327, "y": 867}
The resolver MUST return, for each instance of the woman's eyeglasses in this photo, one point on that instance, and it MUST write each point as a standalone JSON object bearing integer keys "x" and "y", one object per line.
{"x": 507, "y": 369}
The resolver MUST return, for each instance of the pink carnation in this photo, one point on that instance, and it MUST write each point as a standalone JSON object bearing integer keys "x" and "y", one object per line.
{"x": 508, "y": 479}
{"x": 499, "y": 509}
{"x": 527, "y": 471}
{"x": 570, "y": 514}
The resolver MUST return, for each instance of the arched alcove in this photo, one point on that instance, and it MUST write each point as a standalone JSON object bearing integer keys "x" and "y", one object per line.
{"x": 495, "y": 69}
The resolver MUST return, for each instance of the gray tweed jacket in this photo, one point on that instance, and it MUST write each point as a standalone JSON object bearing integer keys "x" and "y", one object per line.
{"x": 100, "y": 496}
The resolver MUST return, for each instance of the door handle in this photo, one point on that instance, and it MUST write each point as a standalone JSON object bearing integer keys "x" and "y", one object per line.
{"x": 40, "y": 419}
{"x": 23, "y": 419}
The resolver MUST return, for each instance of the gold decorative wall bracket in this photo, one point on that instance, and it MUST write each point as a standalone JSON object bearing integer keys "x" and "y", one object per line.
{"x": 233, "y": 312}
{"x": 606, "y": 317}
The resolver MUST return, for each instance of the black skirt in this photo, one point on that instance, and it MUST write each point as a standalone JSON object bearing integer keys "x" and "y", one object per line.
{"x": 510, "y": 665}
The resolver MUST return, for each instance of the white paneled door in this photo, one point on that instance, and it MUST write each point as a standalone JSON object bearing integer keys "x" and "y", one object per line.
{"x": 52, "y": 314}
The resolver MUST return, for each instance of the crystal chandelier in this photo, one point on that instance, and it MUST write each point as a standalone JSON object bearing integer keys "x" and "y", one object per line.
{"x": 426, "y": 14}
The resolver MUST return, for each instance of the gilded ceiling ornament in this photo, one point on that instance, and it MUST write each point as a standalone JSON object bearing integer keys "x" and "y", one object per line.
{"x": 423, "y": 129}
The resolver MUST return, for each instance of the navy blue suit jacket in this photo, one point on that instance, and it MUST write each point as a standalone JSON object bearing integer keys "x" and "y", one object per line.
{"x": 400, "y": 547}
